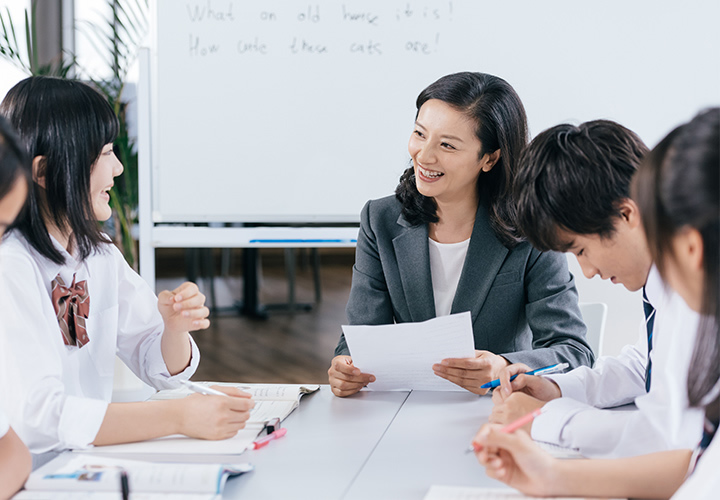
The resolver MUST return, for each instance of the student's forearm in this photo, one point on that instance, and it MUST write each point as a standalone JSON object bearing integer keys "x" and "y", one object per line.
{"x": 130, "y": 422}
{"x": 176, "y": 350}
{"x": 656, "y": 475}
{"x": 15, "y": 464}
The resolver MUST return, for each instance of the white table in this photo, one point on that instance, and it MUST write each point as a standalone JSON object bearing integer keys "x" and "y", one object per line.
{"x": 329, "y": 440}
{"x": 425, "y": 445}
{"x": 373, "y": 445}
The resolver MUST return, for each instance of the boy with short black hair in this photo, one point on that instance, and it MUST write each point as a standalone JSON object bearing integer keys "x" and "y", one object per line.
{"x": 573, "y": 194}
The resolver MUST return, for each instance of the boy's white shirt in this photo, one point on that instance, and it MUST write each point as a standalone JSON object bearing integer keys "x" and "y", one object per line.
{"x": 662, "y": 419}
{"x": 55, "y": 395}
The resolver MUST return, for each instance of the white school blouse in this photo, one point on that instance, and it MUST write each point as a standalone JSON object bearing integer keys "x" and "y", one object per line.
{"x": 662, "y": 419}
{"x": 446, "y": 264}
{"x": 56, "y": 395}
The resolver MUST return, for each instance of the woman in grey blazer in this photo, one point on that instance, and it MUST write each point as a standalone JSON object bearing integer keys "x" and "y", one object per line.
{"x": 446, "y": 243}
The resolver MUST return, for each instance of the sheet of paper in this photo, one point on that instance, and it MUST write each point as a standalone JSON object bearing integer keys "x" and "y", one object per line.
{"x": 470, "y": 493}
{"x": 401, "y": 355}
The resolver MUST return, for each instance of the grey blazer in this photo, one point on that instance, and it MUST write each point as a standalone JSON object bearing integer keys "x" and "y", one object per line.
{"x": 523, "y": 302}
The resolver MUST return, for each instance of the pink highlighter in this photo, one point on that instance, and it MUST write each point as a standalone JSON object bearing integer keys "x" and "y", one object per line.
{"x": 264, "y": 441}
{"x": 512, "y": 427}
{"x": 522, "y": 421}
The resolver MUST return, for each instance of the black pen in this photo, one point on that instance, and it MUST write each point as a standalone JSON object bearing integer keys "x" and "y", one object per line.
{"x": 124, "y": 485}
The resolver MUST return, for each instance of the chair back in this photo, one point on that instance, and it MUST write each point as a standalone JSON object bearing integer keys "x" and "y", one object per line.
{"x": 594, "y": 315}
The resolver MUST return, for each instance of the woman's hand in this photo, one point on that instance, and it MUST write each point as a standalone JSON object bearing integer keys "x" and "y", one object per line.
{"x": 183, "y": 309}
{"x": 215, "y": 417}
{"x": 517, "y": 461}
{"x": 539, "y": 388}
{"x": 471, "y": 373}
{"x": 346, "y": 379}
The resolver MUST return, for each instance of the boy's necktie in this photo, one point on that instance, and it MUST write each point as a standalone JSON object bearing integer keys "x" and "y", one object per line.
{"x": 72, "y": 307}
{"x": 649, "y": 322}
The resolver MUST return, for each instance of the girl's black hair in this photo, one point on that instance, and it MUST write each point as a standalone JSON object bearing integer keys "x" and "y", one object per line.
{"x": 677, "y": 187}
{"x": 500, "y": 121}
{"x": 67, "y": 123}
{"x": 14, "y": 163}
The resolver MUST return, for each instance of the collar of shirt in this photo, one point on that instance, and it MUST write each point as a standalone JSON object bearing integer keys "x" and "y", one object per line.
{"x": 655, "y": 288}
{"x": 50, "y": 269}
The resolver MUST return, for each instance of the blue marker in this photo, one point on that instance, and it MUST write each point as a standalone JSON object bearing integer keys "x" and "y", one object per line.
{"x": 559, "y": 367}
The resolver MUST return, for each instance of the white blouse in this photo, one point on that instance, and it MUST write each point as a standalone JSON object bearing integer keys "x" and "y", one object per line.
{"x": 56, "y": 395}
{"x": 446, "y": 264}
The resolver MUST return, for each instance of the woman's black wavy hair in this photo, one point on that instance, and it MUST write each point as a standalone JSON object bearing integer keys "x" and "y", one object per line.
{"x": 501, "y": 124}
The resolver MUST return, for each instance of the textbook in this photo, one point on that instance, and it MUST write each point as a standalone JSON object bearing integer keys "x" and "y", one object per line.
{"x": 91, "y": 474}
{"x": 271, "y": 401}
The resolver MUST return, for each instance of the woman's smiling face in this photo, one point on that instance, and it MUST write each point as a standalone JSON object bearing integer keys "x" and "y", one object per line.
{"x": 445, "y": 152}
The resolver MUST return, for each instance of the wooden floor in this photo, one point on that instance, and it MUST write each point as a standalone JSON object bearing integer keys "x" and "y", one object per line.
{"x": 285, "y": 347}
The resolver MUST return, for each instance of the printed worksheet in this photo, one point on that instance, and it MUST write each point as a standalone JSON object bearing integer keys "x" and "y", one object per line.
{"x": 401, "y": 355}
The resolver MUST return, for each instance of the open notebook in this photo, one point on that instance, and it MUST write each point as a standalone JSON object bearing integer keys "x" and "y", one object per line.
{"x": 271, "y": 401}
{"x": 96, "y": 476}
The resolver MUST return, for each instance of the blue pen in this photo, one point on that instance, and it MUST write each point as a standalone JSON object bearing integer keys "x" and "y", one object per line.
{"x": 540, "y": 371}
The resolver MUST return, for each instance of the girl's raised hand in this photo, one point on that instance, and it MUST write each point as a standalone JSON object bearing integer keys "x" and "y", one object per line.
{"x": 183, "y": 309}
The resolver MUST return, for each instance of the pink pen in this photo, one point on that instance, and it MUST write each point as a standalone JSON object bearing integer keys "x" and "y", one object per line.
{"x": 264, "y": 441}
{"x": 522, "y": 421}
{"x": 512, "y": 427}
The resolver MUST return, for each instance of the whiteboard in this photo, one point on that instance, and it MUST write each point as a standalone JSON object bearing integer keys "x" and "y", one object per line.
{"x": 299, "y": 112}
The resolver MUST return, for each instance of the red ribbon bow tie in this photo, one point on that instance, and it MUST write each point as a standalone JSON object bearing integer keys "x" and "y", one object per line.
{"x": 72, "y": 307}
